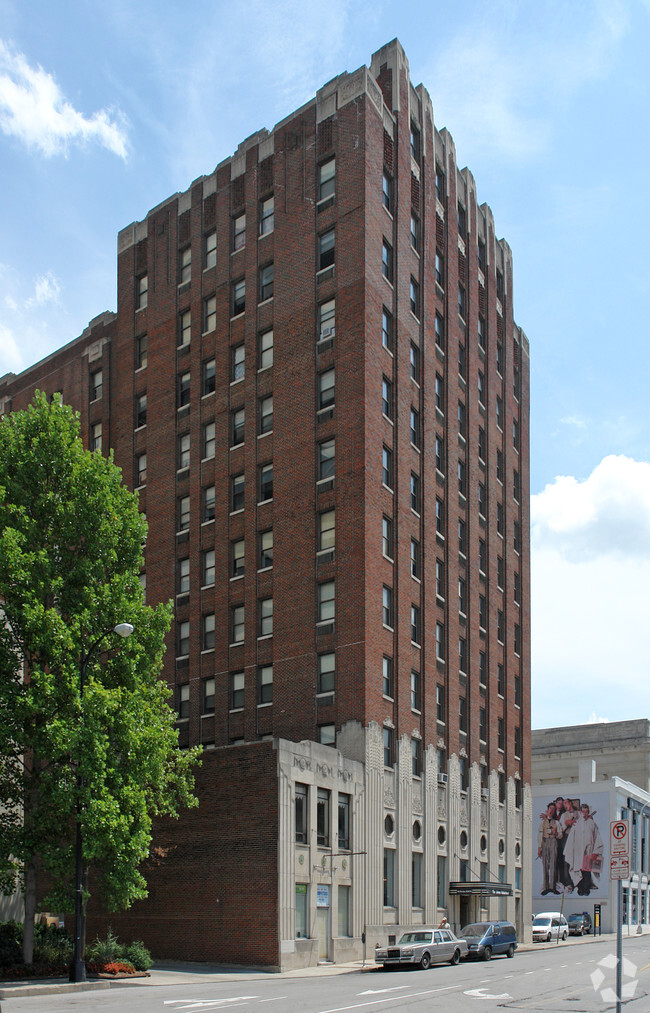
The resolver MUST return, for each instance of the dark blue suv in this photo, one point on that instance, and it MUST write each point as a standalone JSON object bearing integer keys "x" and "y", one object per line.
{"x": 486, "y": 938}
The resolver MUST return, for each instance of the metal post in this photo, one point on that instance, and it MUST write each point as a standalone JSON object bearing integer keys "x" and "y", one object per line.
{"x": 78, "y": 967}
{"x": 619, "y": 947}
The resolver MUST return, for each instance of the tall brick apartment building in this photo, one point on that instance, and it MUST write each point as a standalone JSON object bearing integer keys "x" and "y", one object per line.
{"x": 315, "y": 381}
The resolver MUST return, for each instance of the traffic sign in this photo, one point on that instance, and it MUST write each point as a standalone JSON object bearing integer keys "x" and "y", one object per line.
{"x": 619, "y": 867}
{"x": 619, "y": 838}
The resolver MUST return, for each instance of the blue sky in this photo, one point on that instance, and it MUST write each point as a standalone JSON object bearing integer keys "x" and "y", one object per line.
{"x": 107, "y": 108}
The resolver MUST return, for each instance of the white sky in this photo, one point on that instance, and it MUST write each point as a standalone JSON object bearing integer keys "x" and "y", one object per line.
{"x": 107, "y": 109}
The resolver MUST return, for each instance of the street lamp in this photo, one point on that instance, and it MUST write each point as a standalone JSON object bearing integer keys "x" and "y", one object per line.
{"x": 78, "y": 966}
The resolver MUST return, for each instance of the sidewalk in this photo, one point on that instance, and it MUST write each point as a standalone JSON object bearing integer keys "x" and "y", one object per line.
{"x": 193, "y": 974}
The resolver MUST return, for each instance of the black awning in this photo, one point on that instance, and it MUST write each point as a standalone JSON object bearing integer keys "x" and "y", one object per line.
{"x": 478, "y": 889}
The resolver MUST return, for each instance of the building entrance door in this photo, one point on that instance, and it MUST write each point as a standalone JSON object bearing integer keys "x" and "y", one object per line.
{"x": 323, "y": 926}
{"x": 465, "y": 916}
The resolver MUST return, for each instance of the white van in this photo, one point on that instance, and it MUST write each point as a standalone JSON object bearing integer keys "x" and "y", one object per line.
{"x": 549, "y": 925}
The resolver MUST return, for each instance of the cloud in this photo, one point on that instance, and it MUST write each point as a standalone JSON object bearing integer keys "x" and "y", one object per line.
{"x": 10, "y": 356}
{"x": 606, "y": 515}
{"x": 33, "y": 109}
{"x": 46, "y": 289}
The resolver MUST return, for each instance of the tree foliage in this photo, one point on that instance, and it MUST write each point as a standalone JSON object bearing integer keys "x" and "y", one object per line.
{"x": 71, "y": 538}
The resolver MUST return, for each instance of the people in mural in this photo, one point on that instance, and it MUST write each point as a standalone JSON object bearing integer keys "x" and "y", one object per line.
{"x": 567, "y": 816}
{"x": 547, "y": 835}
{"x": 583, "y": 852}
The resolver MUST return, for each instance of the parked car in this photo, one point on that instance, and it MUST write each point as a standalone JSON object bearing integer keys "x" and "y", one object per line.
{"x": 486, "y": 938}
{"x": 549, "y": 925}
{"x": 423, "y": 947}
{"x": 579, "y": 924}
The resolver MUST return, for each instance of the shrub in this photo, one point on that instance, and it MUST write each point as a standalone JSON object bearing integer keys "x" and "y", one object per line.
{"x": 139, "y": 955}
{"x": 11, "y": 940}
{"x": 52, "y": 945}
{"x": 118, "y": 967}
{"x": 103, "y": 951}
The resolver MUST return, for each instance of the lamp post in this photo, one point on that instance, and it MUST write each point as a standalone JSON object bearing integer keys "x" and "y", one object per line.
{"x": 78, "y": 966}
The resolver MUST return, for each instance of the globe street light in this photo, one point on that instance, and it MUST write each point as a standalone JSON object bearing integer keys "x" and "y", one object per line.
{"x": 78, "y": 966}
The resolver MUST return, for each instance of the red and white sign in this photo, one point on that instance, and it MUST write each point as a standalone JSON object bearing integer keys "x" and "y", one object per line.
{"x": 619, "y": 845}
{"x": 619, "y": 867}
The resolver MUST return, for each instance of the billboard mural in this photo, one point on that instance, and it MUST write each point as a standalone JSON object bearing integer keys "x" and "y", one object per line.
{"x": 570, "y": 846}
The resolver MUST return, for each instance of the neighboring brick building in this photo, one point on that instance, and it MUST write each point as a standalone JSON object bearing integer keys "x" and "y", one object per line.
{"x": 316, "y": 383}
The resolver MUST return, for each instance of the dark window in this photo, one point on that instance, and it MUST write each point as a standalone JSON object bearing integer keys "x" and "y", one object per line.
{"x": 185, "y": 265}
{"x": 140, "y": 411}
{"x": 265, "y": 684}
{"x": 96, "y": 384}
{"x": 141, "y": 351}
{"x": 326, "y": 672}
{"x": 301, "y": 812}
{"x": 344, "y": 821}
{"x": 239, "y": 232}
{"x": 415, "y": 690}
{"x": 387, "y": 329}
{"x": 208, "y": 500}
{"x": 326, "y": 249}
{"x": 238, "y": 296}
{"x": 326, "y": 179}
{"x": 415, "y": 298}
{"x": 183, "y": 388}
{"x": 415, "y": 492}
{"x": 387, "y": 676}
{"x": 415, "y": 365}
{"x": 266, "y": 282}
{"x": 238, "y": 419}
{"x": 266, "y": 549}
{"x": 237, "y": 492}
{"x": 207, "y": 696}
{"x": 387, "y": 467}
{"x": 326, "y": 459}
{"x": 266, "y": 482}
{"x": 323, "y": 818}
{"x": 266, "y": 215}
{"x": 387, "y": 260}
{"x": 387, "y": 191}
{"x": 237, "y": 691}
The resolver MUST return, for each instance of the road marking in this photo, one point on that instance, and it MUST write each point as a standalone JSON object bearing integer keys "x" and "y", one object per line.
{"x": 381, "y": 991}
{"x": 182, "y": 1004}
{"x": 276, "y": 999}
{"x": 482, "y": 993}
{"x": 372, "y": 1002}
{"x": 529, "y": 972}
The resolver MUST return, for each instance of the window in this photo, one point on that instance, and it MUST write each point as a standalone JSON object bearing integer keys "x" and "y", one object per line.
{"x": 237, "y": 426}
{"x": 141, "y": 351}
{"x": 440, "y": 578}
{"x": 415, "y": 493}
{"x": 415, "y": 298}
{"x": 515, "y": 434}
{"x": 237, "y": 624}
{"x": 462, "y": 220}
{"x": 207, "y": 567}
{"x": 500, "y": 465}
{"x": 266, "y": 549}
{"x": 500, "y": 573}
{"x": 183, "y": 638}
{"x": 237, "y": 691}
{"x": 266, "y": 349}
{"x": 96, "y": 384}
{"x": 326, "y": 320}
{"x": 183, "y": 701}
{"x": 389, "y": 747}
{"x": 326, "y": 179}
{"x": 326, "y": 249}
{"x": 440, "y": 641}
{"x": 326, "y": 531}
{"x": 185, "y": 265}
{"x": 462, "y": 484}
{"x": 416, "y": 565}
{"x": 266, "y": 215}
{"x": 518, "y": 695}
{"x": 302, "y": 911}
{"x": 440, "y": 703}
{"x": 440, "y": 183}
{"x": 387, "y": 676}
{"x": 387, "y": 606}
{"x": 482, "y": 612}
{"x": 387, "y": 191}
{"x": 415, "y": 690}
{"x": 462, "y": 714}
{"x": 183, "y": 389}
{"x": 501, "y": 681}
{"x": 501, "y": 629}
{"x": 265, "y": 684}
{"x": 210, "y": 249}
{"x": 499, "y": 412}
{"x": 416, "y": 761}
{"x": 326, "y": 670}
{"x": 416, "y": 628}
{"x": 500, "y": 358}
{"x": 482, "y": 333}
{"x": 517, "y": 639}
{"x": 387, "y": 329}
{"x": 327, "y": 735}
{"x": 389, "y": 877}
{"x": 440, "y": 269}
{"x": 183, "y": 451}
{"x": 501, "y": 734}
{"x": 140, "y": 411}
{"x": 517, "y": 741}
{"x": 462, "y": 598}
{"x": 462, "y": 302}
{"x": 344, "y": 821}
{"x": 239, "y": 232}
{"x": 237, "y": 492}
{"x": 482, "y": 668}
{"x": 517, "y": 588}
{"x": 183, "y": 576}
{"x": 387, "y": 261}
{"x": 266, "y": 483}
{"x": 387, "y": 467}
{"x": 326, "y": 389}
{"x": 415, "y": 364}
{"x": 464, "y": 785}
{"x": 387, "y": 537}
{"x": 481, "y": 388}
{"x": 96, "y": 435}
{"x": 500, "y": 519}
{"x": 209, "y": 313}
{"x": 301, "y": 810}
{"x": 183, "y": 510}
{"x": 387, "y": 398}
{"x": 323, "y": 818}
{"x": 266, "y": 282}
{"x": 482, "y": 500}
{"x": 208, "y": 441}
{"x": 481, "y": 445}
{"x": 462, "y": 655}
{"x": 238, "y": 297}
{"x": 266, "y": 414}
{"x": 516, "y": 536}
{"x": 207, "y": 696}
{"x": 499, "y": 285}
{"x": 184, "y": 328}
{"x": 515, "y": 485}
{"x": 326, "y": 460}
{"x": 237, "y": 363}
{"x": 326, "y": 602}
{"x": 237, "y": 557}
{"x": 440, "y": 517}
{"x": 440, "y": 330}
{"x": 415, "y": 141}
{"x": 440, "y": 454}
{"x": 207, "y": 632}
{"x": 141, "y": 291}
{"x": 415, "y": 232}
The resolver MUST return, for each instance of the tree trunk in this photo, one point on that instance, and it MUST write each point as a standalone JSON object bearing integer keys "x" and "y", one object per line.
{"x": 30, "y": 911}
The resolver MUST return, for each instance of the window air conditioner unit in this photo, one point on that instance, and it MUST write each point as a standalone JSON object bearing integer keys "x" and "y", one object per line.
{"x": 327, "y": 332}
{"x": 442, "y": 778}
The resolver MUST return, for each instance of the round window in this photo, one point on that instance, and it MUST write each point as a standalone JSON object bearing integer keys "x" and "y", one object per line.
{"x": 483, "y": 842}
{"x": 442, "y": 835}
{"x": 417, "y": 830}
{"x": 517, "y": 849}
{"x": 502, "y": 846}
{"x": 389, "y": 825}
{"x": 463, "y": 839}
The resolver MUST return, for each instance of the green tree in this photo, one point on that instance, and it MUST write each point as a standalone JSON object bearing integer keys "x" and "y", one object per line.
{"x": 104, "y": 753}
